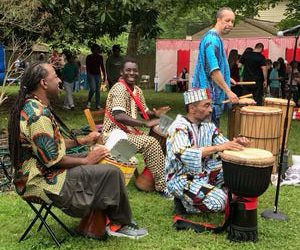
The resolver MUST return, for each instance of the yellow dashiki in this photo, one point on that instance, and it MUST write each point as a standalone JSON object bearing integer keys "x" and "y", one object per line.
{"x": 119, "y": 99}
{"x": 42, "y": 147}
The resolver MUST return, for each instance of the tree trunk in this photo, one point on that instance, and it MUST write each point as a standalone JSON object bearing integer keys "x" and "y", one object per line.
{"x": 133, "y": 41}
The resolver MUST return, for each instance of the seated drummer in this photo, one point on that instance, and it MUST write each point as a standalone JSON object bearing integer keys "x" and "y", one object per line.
{"x": 193, "y": 167}
{"x": 125, "y": 101}
{"x": 78, "y": 186}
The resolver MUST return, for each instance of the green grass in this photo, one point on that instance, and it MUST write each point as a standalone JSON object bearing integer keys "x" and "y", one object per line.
{"x": 149, "y": 209}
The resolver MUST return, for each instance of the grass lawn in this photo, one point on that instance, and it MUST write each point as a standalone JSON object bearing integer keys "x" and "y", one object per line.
{"x": 150, "y": 210}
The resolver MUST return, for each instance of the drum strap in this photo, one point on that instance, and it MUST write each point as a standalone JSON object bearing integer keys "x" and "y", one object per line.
{"x": 135, "y": 98}
{"x": 120, "y": 125}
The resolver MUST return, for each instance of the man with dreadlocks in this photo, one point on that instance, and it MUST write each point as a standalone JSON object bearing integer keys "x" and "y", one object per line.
{"x": 77, "y": 185}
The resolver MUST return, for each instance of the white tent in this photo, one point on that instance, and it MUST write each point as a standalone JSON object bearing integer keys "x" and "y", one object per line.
{"x": 167, "y": 53}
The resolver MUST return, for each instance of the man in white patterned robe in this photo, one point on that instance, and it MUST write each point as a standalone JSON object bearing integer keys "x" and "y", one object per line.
{"x": 193, "y": 167}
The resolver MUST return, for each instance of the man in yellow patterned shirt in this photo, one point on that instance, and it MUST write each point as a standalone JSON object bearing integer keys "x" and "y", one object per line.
{"x": 79, "y": 186}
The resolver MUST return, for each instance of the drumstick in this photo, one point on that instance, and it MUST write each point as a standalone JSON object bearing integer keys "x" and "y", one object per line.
{"x": 241, "y": 97}
{"x": 245, "y": 83}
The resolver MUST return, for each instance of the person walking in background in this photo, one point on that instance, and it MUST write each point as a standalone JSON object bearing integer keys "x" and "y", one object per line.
{"x": 183, "y": 80}
{"x": 233, "y": 61}
{"x": 241, "y": 72}
{"x": 212, "y": 69}
{"x": 94, "y": 68}
{"x": 70, "y": 74}
{"x": 282, "y": 72}
{"x": 269, "y": 65}
{"x": 294, "y": 65}
{"x": 275, "y": 80}
{"x": 56, "y": 60}
{"x": 76, "y": 85}
{"x": 156, "y": 82}
{"x": 113, "y": 65}
{"x": 255, "y": 70}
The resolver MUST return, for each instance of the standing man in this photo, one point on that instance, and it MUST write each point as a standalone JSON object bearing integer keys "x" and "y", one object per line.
{"x": 255, "y": 69}
{"x": 212, "y": 69}
{"x": 125, "y": 102}
{"x": 193, "y": 167}
{"x": 94, "y": 67}
{"x": 113, "y": 65}
{"x": 77, "y": 185}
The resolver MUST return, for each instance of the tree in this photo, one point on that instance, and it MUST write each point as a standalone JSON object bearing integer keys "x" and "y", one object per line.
{"x": 21, "y": 23}
{"x": 292, "y": 14}
{"x": 21, "y": 18}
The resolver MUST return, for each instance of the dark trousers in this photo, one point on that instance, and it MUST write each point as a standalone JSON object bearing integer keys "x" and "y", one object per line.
{"x": 257, "y": 91}
{"x": 94, "y": 187}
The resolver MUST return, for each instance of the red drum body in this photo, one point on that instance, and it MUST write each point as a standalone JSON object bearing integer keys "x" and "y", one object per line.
{"x": 145, "y": 181}
{"x": 93, "y": 226}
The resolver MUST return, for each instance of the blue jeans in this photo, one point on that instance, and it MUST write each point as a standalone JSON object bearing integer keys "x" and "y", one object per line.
{"x": 94, "y": 84}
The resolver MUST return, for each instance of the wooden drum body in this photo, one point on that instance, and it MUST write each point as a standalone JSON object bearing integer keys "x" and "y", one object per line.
{"x": 262, "y": 126}
{"x": 157, "y": 133}
{"x": 282, "y": 104}
{"x": 234, "y": 117}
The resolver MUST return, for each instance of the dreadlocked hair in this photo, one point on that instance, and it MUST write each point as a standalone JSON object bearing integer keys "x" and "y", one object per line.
{"x": 30, "y": 80}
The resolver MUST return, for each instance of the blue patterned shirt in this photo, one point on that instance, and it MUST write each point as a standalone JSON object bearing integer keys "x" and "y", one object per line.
{"x": 211, "y": 57}
{"x": 184, "y": 154}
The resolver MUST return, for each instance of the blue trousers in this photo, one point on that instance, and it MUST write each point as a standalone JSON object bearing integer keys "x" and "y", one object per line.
{"x": 94, "y": 84}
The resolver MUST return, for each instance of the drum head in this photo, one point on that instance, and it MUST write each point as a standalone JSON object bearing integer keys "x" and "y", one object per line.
{"x": 278, "y": 101}
{"x": 260, "y": 109}
{"x": 250, "y": 157}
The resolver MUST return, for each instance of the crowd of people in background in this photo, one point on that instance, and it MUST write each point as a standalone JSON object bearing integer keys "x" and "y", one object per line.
{"x": 86, "y": 74}
{"x": 253, "y": 66}
{"x": 271, "y": 77}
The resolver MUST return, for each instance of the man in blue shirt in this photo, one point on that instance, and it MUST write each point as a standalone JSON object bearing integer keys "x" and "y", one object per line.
{"x": 212, "y": 69}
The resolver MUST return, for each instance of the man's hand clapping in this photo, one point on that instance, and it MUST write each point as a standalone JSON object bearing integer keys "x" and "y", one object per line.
{"x": 161, "y": 111}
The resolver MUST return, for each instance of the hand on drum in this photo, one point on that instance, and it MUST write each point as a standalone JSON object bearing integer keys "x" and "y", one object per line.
{"x": 161, "y": 111}
{"x": 242, "y": 141}
{"x": 152, "y": 123}
{"x": 232, "y": 97}
{"x": 97, "y": 153}
{"x": 230, "y": 145}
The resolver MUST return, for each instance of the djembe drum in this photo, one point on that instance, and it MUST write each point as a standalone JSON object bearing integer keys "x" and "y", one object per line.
{"x": 93, "y": 225}
{"x": 247, "y": 175}
{"x": 282, "y": 104}
{"x": 234, "y": 117}
{"x": 145, "y": 181}
{"x": 161, "y": 137}
{"x": 262, "y": 126}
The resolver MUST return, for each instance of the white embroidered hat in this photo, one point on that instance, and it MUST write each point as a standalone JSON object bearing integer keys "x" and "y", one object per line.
{"x": 196, "y": 95}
